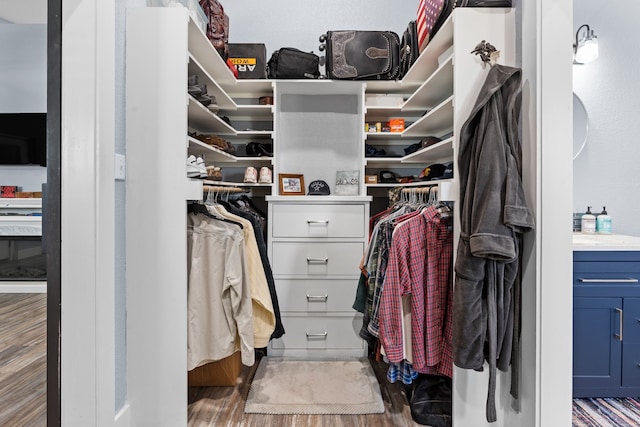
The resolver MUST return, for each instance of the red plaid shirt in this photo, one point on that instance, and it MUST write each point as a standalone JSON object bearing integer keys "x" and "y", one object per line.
{"x": 420, "y": 264}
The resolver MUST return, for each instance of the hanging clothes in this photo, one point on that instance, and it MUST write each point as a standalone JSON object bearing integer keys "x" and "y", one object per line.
{"x": 493, "y": 216}
{"x": 219, "y": 305}
{"x": 245, "y": 209}
{"x": 420, "y": 265}
{"x": 264, "y": 320}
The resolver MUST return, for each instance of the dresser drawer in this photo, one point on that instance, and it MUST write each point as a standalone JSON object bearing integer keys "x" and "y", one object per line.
{"x": 317, "y": 259}
{"x": 320, "y": 332}
{"x": 309, "y": 295}
{"x": 318, "y": 220}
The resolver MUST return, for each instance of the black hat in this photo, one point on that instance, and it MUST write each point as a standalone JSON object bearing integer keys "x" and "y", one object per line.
{"x": 429, "y": 141}
{"x": 435, "y": 170}
{"x": 387, "y": 176}
{"x": 319, "y": 188}
{"x": 448, "y": 172}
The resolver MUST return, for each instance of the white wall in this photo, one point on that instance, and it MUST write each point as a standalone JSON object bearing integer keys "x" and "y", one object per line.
{"x": 27, "y": 177}
{"x": 23, "y": 68}
{"x": 606, "y": 172}
{"x": 286, "y": 23}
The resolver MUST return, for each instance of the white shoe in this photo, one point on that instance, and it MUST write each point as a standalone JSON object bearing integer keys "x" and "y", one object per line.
{"x": 266, "y": 177}
{"x": 193, "y": 171}
{"x": 251, "y": 175}
{"x": 202, "y": 168}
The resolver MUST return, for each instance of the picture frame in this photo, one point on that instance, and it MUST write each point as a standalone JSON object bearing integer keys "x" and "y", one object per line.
{"x": 291, "y": 184}
{"x": 347, "y": 183}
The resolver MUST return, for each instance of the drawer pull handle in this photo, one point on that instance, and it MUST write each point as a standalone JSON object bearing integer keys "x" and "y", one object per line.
{"x": 322, "y": 335}
{"x": 317, "y": 260}
{"x": 629, "y": 280}
{"x": 619, "y": 336}
{"x": 317, "y": 297}
{"x": 311, "y": 221}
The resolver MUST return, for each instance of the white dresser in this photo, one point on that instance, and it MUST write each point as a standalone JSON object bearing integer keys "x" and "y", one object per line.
{"x": 315, "y": 247}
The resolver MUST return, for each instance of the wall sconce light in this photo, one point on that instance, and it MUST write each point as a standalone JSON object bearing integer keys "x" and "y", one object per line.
{"x": 586, "y": 47}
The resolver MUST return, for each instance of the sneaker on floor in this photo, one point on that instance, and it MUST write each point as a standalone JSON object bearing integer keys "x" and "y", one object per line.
{"x": 193, "y": 171}
{"x": 251, "y": 175}
{"x": 266, "y": 177}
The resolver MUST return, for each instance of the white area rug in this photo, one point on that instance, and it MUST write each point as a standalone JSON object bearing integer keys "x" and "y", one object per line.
{"x": 314, "y": 387}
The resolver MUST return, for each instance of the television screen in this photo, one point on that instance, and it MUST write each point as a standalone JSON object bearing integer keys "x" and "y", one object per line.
{"x": 23, "y": 139}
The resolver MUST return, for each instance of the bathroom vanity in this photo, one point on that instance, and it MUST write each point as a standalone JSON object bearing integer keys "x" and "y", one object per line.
{"x": 606, "y": 315}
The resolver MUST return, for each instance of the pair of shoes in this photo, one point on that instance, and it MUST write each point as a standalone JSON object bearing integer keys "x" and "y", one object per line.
{"x": 214, "y": 173}
{"x": 196, "y": 167}
{"x": 199, "y": 92}
{"x": 256, "y": 149}
{"x": 371, "y": 151}
{"x": 251, "y": 175}
{"x": 216, "y": 141}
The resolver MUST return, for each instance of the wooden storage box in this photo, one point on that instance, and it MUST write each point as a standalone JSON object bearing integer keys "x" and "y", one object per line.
{"x": 223, "y": 372}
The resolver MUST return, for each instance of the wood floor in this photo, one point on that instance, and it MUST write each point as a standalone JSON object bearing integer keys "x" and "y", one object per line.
{"x": 23, "y": 382}
{"x": 224, "y": 407}
{"x": 23, "y": 351}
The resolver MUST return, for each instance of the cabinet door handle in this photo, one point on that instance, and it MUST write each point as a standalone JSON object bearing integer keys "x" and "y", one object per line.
{"x": 629, "y": 280}
{"x": 619, "y": 336}
{"x": 322, "y": 335}
{"x": 317, "y": 297}
{"x": 317, "y": 260}
{"x": 324, "y": 221}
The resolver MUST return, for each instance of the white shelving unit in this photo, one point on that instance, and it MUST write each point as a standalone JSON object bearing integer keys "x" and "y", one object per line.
{"x": 439, "y": 94}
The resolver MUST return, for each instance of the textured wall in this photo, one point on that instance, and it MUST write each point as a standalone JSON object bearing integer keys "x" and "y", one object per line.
{"x": 606, "y": 172}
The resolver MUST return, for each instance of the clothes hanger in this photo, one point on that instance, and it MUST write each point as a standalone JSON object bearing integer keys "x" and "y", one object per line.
{"x": 199, "y": 208}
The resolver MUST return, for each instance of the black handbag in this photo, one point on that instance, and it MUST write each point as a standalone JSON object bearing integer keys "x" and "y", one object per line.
{"x": 292, "y": 63}
{"x": 409, "y": 49}
{"x": 353, "y": 54}
{"x": 483, "y": 3}
{"x": 431, "y": 402}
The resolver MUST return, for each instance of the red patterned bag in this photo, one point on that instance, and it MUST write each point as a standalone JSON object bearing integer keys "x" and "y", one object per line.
{"x": 217, "y": 26}
{"x": 431, "y": 16}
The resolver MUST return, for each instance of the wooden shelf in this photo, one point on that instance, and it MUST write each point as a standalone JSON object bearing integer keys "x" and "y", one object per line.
{"x": 427, "y": 62}
{"x": 437, "y": 88}
{"x": 204, "y": 121}
{"x": 223, "y": 100}
{"x": 438, "y": 121}
{"x": 440, "y": 152}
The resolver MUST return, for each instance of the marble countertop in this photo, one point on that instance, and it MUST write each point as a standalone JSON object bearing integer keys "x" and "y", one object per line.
{"x": 605, "y": 242}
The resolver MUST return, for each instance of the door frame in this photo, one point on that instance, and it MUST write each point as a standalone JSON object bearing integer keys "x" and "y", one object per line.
{"x": 87, "y": 196}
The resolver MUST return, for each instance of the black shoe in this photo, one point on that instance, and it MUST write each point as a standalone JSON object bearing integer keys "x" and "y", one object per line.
{"x": 255, "y": 149}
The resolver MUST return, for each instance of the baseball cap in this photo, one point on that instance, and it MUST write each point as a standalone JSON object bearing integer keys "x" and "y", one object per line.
{"x": 319, "y": 188}
{"x": 387, "y": 176}
{"x": 448, "y": 171}
{"x": 435, "y": 170}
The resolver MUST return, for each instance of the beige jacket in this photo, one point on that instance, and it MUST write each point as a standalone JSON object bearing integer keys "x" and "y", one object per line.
{"x": 264, "y": 319}
{"x": 219, "y": 308}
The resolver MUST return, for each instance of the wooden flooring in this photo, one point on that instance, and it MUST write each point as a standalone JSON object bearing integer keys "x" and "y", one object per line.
{"x": 23, "y": 382}
{"x": 23, "y": 351}
{"x": 224, "y": 407}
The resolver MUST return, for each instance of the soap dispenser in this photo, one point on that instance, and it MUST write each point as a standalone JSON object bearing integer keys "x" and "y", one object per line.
{"x": 603, "y": 222}
{"x": 588, "y": 221}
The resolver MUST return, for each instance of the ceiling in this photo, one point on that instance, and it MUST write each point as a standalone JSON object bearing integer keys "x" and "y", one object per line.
{"x": 24, "y": 11}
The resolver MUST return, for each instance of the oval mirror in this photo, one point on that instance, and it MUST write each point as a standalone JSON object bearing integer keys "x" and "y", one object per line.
{"x": 580, "y": 126}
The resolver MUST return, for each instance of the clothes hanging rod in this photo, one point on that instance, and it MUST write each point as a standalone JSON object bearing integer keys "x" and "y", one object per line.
{"x": 222, "y": 189}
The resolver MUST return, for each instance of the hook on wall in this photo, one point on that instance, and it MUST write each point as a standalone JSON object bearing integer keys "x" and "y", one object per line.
{"x": 488, "y": 52}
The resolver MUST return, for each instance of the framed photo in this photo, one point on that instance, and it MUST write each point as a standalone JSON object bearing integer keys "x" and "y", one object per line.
{"x": 291, "y": 184}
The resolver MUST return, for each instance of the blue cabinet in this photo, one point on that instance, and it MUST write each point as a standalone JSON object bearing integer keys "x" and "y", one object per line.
{"x": 606, "y": 324}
